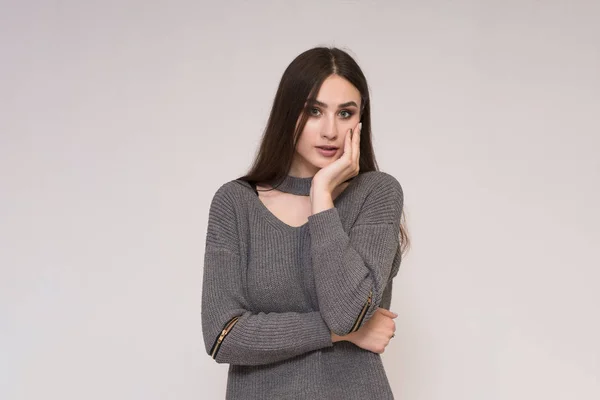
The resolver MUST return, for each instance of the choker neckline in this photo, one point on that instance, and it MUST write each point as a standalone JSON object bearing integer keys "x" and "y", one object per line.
{"x": 298, "y": 186}
{"x": 295, "y": 185}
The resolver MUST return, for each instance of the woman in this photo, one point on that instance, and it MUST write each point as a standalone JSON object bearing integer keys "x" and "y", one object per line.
{"x": 301, "y": 252}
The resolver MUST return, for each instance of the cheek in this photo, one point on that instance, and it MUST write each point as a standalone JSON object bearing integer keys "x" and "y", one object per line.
{"x": 308, "y": 139}
{"x": 312, "y": 124}
{"x": 310, "y": 135}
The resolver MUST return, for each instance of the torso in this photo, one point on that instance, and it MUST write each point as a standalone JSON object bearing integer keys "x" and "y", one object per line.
{"x": 291, "y": 209}
{"x": 277, "y": 273}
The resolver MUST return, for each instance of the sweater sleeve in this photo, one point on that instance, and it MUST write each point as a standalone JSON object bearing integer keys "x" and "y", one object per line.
{"x": 352, "y": 269}
{"x": 232, "y": 333}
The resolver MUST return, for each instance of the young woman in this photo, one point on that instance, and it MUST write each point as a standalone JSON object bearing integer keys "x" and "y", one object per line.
{"x": 301, "y": 252}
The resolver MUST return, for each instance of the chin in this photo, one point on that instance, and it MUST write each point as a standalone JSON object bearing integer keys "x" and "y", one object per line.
{"x": 318, "y": 162}
{"x": 322, "y": 163}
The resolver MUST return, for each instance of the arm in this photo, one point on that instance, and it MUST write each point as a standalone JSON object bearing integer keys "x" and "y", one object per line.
{"x": 232, "y": 333}
{"x": 352, "y": 269}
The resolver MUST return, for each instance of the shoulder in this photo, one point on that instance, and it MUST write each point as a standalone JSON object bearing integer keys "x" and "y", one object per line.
{"x": 378, "y": 182}
{"x": 382, "y": 199}
{"x": 382, "y": 194}
{"x": 223, "y": 218}
{"x": 229, "y": 196}
{"x": 231, "y": 189}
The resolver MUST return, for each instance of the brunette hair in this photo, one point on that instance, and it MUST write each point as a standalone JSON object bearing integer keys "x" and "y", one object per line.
{"x": 301, "y": 81}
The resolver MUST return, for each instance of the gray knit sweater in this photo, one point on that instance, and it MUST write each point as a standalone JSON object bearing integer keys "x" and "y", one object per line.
{"x": 273, "y": 293}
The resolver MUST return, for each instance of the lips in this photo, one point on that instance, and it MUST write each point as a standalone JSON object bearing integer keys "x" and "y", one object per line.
{"x": 327, "y": 147}
{"x": 327, "y": 151}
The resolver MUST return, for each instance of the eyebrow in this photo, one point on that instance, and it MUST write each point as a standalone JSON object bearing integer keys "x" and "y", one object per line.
{"x": 321, "y": 104}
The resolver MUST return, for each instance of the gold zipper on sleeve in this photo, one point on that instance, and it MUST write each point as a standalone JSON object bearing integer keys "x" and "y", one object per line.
{"x": 363, "y": 312}
{"x": 224, "y": 333}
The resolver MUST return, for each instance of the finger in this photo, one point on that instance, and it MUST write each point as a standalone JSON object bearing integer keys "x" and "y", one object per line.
{"x": 388, "y": 313}
{"x": 356, "y": 142}
{"x": 348, "y": 143}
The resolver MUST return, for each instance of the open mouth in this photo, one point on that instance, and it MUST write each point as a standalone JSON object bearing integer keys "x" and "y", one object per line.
{"x": 327, "y": 151}
{"x": 327, "y": 147}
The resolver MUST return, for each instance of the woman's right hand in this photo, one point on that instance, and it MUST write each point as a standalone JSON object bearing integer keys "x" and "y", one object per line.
{"x": 375, "y": 334}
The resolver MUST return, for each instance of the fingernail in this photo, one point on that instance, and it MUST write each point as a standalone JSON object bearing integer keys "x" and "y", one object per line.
{"x": 360, "y": 127}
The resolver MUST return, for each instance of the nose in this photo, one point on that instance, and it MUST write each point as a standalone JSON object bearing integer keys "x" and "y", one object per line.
{"x": 329, "y": 129}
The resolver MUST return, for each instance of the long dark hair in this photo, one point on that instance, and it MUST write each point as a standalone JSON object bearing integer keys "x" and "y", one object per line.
{"x": 302, "y": 80}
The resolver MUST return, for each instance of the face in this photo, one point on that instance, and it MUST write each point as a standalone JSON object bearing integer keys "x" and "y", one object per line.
{"x": 330, "y": 117}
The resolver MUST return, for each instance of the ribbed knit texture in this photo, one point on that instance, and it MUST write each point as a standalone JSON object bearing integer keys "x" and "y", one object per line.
{"x": 293, "y": 286}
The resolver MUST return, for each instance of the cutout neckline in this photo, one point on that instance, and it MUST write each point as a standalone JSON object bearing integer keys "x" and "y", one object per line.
{"x": 302, "y": 186}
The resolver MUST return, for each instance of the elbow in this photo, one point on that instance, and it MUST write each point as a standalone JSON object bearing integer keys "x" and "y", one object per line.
{"x": 344, "y": 326}
{"x": 218, "y": 360}
{"x": 337, "y": 323}
{"x": 214, "y": 355}
{"x": 213, "y": 350}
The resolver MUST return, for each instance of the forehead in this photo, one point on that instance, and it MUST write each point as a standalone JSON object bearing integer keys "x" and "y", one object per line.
{"x": 336, "y": 89}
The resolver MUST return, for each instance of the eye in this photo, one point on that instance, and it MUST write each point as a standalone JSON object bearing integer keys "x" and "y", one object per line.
{"x": 346, "y": 114}
{"x": 314, "y": 111}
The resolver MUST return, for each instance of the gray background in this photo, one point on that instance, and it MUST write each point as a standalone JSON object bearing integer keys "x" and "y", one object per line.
{"x": 120, "y": 119}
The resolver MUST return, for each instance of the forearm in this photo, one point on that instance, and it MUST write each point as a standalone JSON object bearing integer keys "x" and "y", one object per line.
{"x": 266, "y": 338}
{"x": 321, "y": 200}
{"x": 352, "y": 265}
{"x": 346, "y": 284}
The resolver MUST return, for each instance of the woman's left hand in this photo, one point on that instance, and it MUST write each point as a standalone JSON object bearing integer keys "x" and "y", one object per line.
{"x": 345, "y": 167}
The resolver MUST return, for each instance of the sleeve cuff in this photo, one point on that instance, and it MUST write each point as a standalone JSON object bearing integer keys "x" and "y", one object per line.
{"x": 325, "y": 226}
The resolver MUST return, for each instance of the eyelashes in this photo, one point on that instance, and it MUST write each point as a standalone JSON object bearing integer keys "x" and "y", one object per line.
{"x": 347, "y": 113}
